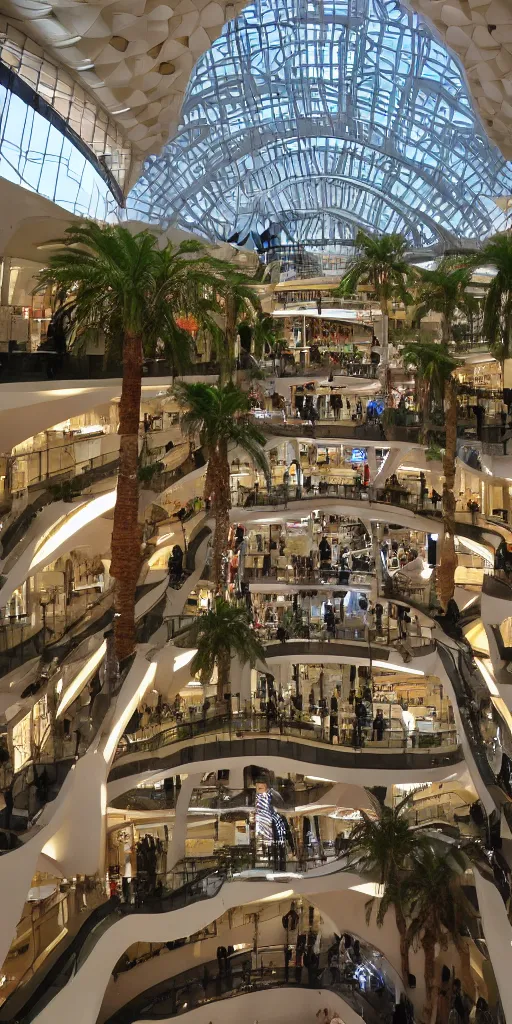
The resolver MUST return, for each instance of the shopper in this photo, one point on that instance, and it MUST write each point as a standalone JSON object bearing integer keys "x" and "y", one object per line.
{"x": 379, "y": 724}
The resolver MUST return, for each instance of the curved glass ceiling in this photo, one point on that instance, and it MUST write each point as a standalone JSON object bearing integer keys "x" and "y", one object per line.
{"x": 316, "y": 118}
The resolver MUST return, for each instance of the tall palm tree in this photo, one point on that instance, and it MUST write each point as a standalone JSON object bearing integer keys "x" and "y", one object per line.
{"x": 266, "y": 334}
{"x": 382, "y": 846}
{"x": 380, "y": 262}
{"x": 442, "y": 290}
{"x": 435, "y": 366}
{"x": 223, "y": 633}
{"x": 240, "y": 300}
{"x": 497, "y": 321}
{"x": 127, "y": 287}
{"x": 438, "y": 909}
{"x": 220, "y": 416}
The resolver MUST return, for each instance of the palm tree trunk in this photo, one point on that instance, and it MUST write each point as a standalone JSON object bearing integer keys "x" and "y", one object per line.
{"x": 429, "y": 949}
{"x": 230, "y": 332}
{"x": 127, "y": 531}
{"x": 404, "y": 943}
{"x": 468, "y": 982}
{"x": 425, "y": 409}
{"x": 448, "y": 562}
{"x": 385, "y": 343}
{"x": 217, "y": 483}
{"x": 223, "y": 667}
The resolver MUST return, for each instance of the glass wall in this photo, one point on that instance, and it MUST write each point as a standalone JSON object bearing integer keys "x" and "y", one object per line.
{"x": 35, "y": 154}
{"x": 68, "y": 99}
{"x": 311, "y": 118}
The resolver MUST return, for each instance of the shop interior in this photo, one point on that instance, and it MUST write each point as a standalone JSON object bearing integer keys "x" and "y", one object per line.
{"x": 312, "y": 547}
{"x": 322, "y": 340}
{"x": 362, "y": 706}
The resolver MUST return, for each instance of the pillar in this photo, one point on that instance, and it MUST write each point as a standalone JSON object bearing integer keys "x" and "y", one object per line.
{"x": 372, "y": 463}
{"x": 6, "y": 280}
{"x": 176, "y": 848}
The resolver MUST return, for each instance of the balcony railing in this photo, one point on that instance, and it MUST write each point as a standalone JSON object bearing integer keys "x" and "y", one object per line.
{"x": 343, "y": 429}
{"x": 281, "y": 495}
{"x": 352, "y": 736}
{"x": 20, "y": 365}
{"x": 367, "y": 371}
{"x": 203, "y": 984}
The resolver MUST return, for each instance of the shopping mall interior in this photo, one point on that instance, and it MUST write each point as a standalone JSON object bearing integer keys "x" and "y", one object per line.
{"x": 256, "y": 512}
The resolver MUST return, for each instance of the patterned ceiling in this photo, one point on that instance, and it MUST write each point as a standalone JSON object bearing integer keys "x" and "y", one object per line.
{"x": 136, "y": 56}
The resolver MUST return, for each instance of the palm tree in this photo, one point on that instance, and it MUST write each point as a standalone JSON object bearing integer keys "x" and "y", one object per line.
{"x": 435, "y": 366}
{"x": 133, "y": 291}
{"x": 497, "y": 322}
{"x": 220, "y": 416}
{"x": 382, "y": 846}
{"x": 442, "y": 290}
{"x": 266, "y": 334}
{"x": 223, "y": 633}
{"x": 240, "y": 300}
{"x": 438, "y": 909}
{"x": 380, "y": 262}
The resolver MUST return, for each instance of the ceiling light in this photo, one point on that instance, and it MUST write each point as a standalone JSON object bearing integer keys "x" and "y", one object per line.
{"x": 83, "y": 516}
{"x": 81, "y": 678}
{"x": 72, "y": 41}
{"x": 399, "y": 668}
{"x": 124, "y": 718}
{"x": 484, "y": 671}
{"x": 183, "y": 659}
{"x": 122, "y": 110}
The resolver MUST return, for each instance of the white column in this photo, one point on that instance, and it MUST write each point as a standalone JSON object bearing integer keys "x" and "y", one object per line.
{"x": 372, "y": 463}
{"x": 176, "y": 848}
{"x": 6, "y": 280}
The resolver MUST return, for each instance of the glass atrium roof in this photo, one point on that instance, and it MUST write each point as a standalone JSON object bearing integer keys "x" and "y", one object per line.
{"x": 316, "y": 117}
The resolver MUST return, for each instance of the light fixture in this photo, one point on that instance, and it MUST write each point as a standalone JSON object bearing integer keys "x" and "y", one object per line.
{"x": 373, "y": 889}
{"x": 122, "y": 110}
{"x": 72, "y": 41}
{"x": 164, "y": 537}
{"x": 82, "y": 516}
{"x": 125, "y": 716}
{"x": 183, "y": 659}
{"x": 484, "y": 671}
{"x": 81, "y": 678}
{"x": 399, "y": 668}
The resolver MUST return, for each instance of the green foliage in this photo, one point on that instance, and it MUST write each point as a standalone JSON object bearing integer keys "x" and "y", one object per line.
{"x": 146, "y": 473}
{"x": 434, "y": 896}
{"x": 443, "y": 290}
{"x": 497, "y": 323}
{"x": 67, "y": 490}
{"x": 434, "y": 365}
{"x": 380, "y": 262}
{"x": 222, "y": 633}
{"x": 381, "y": 847}
{"x": 434, "y": 453}
{"x": 122, "y": 283}
{"x": 221, "y": 413}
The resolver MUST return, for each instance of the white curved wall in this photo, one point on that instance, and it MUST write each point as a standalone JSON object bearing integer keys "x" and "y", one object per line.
{"x": 366, "y": 511}
{"x": 276, "y": 1006}
{"x": 283, "y": 764}
{"x": 80, "y": 1000}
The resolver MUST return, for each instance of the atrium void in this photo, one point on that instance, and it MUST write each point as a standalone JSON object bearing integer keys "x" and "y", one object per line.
{"x": 313, "y": 119}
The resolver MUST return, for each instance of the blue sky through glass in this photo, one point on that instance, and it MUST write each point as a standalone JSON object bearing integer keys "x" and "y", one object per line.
{"x": 317, "y": 118}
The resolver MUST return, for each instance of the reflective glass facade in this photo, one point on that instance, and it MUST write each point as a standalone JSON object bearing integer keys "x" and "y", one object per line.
{"x": 317, "y": 118}
{"x": 71, "y": 102}
{"x": 37, "y": 155}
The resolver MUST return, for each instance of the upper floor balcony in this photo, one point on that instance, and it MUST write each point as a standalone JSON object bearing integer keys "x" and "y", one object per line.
{"x": 391, "y": 495}
{"x": 391, "y": 427}
{"x": 18, "y": 365}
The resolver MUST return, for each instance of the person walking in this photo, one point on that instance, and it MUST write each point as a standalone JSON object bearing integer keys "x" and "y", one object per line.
{"x": 379, "y": 725}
